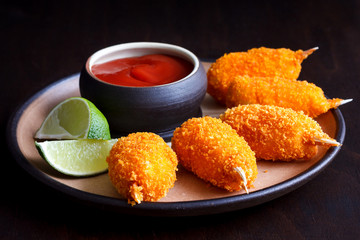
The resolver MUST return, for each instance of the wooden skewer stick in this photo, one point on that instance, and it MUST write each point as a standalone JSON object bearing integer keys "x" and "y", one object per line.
{"x": 241, "y": 172}
{"x": 327, "y": 141}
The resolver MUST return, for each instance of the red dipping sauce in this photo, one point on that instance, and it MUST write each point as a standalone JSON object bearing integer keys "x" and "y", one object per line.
{"x": 144, "y": 71}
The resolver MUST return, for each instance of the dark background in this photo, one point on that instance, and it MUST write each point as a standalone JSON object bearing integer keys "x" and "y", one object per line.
{"x": 44, "y": 41}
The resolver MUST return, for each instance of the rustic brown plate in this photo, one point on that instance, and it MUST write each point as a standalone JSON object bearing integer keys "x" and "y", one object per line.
{"x": 190, "y": 196}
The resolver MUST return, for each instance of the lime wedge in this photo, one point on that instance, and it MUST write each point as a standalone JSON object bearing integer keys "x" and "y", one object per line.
{"x": 74, "y": 118}
{"x": 83, "y": 157}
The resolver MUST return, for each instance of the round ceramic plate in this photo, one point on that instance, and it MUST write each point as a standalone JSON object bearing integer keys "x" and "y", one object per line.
{"x": 190, "y": 195}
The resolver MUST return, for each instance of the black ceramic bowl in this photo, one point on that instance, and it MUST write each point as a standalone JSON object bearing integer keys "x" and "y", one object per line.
{"x": 159, "y": 109}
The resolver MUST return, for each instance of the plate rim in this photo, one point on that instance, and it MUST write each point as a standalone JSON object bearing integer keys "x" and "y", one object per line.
{"x": 185, "y": 208}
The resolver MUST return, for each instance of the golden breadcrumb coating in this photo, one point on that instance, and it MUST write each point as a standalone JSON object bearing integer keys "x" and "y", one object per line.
{"x": 282, "y": 92}
{"x": 259, "y": 62}
{"x": 212, "y": 149}
{"x": 275, "y": 133}
{"x": 142, "y": 167}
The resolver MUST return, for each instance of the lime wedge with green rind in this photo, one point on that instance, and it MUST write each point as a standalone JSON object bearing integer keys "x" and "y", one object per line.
{"x": 83, "y": 157}
{"x": 74, "y": 118}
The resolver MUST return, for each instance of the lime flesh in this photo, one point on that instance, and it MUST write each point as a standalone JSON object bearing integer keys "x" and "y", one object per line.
{"x": 83, "y": 157}
{"x": 74, "y": 118}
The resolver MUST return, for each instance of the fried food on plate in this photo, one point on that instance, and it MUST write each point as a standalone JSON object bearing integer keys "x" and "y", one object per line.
{"x": 256, "y": 62}
{"x": 276, "y": 133}
{"x": 215, "y": 153}
{"x": 142, "y": 167}
{"x": 282, "y": 92}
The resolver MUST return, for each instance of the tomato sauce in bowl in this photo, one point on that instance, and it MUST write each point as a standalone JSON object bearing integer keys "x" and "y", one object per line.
{"x": 143, "y": 71}
{"x": 162, "y": 85}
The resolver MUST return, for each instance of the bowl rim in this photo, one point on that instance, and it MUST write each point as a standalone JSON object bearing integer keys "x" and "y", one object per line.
{"x": 181, "y": 52}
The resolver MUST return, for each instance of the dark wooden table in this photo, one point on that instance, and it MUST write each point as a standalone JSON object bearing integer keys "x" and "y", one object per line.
{"x": 44, "y": 41}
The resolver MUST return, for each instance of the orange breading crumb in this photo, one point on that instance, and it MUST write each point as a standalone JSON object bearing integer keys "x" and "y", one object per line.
{"x": 288, "y": 93}
{"x": 212, "y": 150}
{"x": 275, "y": 133}
{"x": 260, "y": 62}
{"x": 142, "y": 167}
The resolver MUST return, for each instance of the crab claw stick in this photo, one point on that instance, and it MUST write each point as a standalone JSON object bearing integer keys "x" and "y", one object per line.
{"x": 327, "y": 142}
{"x": 142, "y": 167}
{"x": 342, "y": 102}
{"x": 306, "y": 53}
{"x": 288, "y": 93}
{"x": 214, "y": 152}
{"x": 276, "y": 133}
{"x": 243, "y": 177}
{"x": 257, "y": 62}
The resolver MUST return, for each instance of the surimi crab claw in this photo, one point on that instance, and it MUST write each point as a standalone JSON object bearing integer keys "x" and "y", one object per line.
{"x": 241, "y": 172}
{"x": 306, "y": 53}
{"x": 327, "y": 142}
